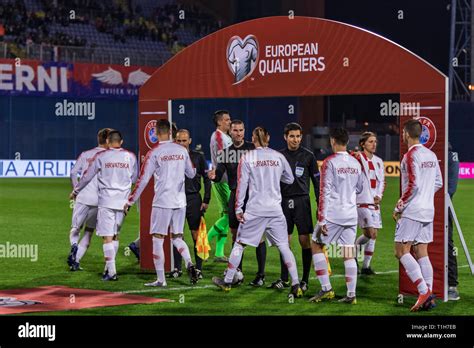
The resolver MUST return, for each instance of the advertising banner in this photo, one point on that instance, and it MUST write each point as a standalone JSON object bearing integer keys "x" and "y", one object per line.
{"x": 59, "y": 79}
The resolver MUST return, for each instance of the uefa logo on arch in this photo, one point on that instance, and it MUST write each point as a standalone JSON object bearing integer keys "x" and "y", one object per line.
{"x": 151, "y": 138}
{"x": 428, "y": 132}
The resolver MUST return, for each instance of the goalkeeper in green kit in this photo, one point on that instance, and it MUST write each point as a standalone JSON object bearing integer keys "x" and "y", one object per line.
{"x": 220, "y": 140}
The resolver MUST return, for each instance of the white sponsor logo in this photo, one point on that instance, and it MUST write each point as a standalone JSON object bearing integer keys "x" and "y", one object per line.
{"x": 76, "y": 109}
{"x": 37, "y": 331}
{"x": 36, "y": 168}
{"x": 23, "y": 251}
{"x": 114, "y": 77}
{"x": 20, "y": 77}
{"x": 14, "y": 302}
{"x": 290, "y": 58}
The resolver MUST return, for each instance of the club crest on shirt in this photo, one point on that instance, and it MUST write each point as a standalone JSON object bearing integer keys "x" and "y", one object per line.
{"x": 299, "y": 171}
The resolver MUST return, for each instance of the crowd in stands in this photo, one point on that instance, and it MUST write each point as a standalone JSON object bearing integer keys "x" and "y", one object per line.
{"x": 32, "y": 26}
{"x": 122, "y": 19}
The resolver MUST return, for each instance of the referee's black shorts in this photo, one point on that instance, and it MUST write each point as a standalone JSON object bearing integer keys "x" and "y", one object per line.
{"x": 233, "y": 222}
{"x": 193, "y": 210}
{"x": 297, "y": 211}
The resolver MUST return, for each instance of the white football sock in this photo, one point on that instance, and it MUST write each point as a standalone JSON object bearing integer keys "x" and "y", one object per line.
{"x": 290, "y": 262}
{"x": 351, "y": 276}
{"x": 321, "y": 269}
{"x": 109, "y": 255}
{"x": 414, "y": 272}
{"x": 74, "y": 235}
{"x": 234, "y": 261}
{"x": 83, "y": 245}
{"x": 368, "y": 253}
{"x": 159, "y": 258}
{"x": 183, "y": 249}
{"x": 116, "y": 244}
{"x": 426, "y": 271}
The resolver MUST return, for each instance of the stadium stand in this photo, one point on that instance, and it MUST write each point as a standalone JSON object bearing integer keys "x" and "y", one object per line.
{"x": 149, "y": 32}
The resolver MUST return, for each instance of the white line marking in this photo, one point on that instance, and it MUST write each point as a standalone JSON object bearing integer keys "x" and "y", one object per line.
{"x": 166, "y": 289}
{"x": 153, "y": 290}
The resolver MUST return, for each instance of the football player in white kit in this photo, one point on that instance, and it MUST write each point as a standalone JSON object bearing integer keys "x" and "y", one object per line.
{"x": 169, "y": 163}
{"x": 341, "y": 181}
{"x": 116, "y": 170}
{"x": 414, "y": 213}
{"x": 260, "y": 171}
{"x": 85, "y": 205}
{"x": 368, "y": 201}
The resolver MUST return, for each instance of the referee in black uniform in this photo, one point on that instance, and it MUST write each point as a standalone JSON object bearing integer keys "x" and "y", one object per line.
{"x": 228, "y": 162}
{"x": 195, "y": 205}
{"x": 296, "y": 203}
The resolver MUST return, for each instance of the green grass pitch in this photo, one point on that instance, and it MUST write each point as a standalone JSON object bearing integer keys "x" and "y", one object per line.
{"x": 37, "y": 211}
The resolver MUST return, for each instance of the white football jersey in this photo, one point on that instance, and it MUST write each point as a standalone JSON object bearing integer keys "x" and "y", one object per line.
{"x": 90, "y": 194}
{"x": 116, "y": 170}
{"x": 261, "y": 171}
{"x": 421, "y": 178}
{"x": 219, "y": 142}
{"x": 340, "y": 181}
{"x": 374, "y": 179}
{"x": 169, "y": 163}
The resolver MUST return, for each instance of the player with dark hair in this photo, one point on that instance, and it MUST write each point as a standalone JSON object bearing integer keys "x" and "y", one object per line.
{"x": 296, "y": 202}
{"x": 368, "y": 201}
{"x": 260, "y": 171}
{"x": 414, "y": 212}
{"x": 169, "y": 163}
{"x": 230, "y": 161}
{"x": 220, "y": 140}
{"x": 196, "y": 206}
{"x": 341, "y": 181}
{"x": 116, "y": 170}
{"x": 134, "y": 246}
{"x": 85, "y": 205}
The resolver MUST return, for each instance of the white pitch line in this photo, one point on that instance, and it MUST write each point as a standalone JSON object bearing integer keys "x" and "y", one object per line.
{"x": 153, "y": 290}
{"x": 166, "y": 289}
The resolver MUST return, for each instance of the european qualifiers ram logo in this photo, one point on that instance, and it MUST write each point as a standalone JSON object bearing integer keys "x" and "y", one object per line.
{"x": 428, "y": 132}
{"x": 242, "y": 56}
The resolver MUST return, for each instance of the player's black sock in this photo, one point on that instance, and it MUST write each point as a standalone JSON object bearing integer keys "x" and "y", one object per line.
{"x": 177, "y": 258}
{"x": 307, "y": 257}
{"x": 197, "y": 258}
{"x": 261, "y": 252}
{"x": 284, "y": 270}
